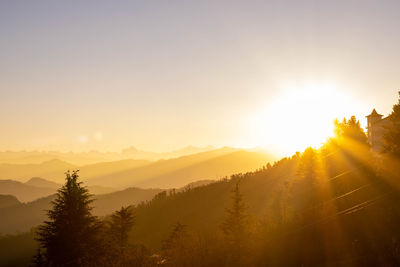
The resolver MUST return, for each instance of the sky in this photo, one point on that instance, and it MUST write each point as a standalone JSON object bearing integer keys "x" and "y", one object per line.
{"x": 160, "y": 75}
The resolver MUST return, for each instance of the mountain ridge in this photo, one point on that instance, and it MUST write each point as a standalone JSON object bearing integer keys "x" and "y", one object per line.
{"x": 177, "y": 172}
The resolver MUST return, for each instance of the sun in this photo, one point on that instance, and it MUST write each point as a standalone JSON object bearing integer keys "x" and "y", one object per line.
{"x": 299, "y": 117}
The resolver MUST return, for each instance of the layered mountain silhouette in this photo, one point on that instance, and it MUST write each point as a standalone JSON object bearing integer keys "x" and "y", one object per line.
{"x": 177, "y": 172}
{"x": 23, "y": 172}
{"x": 91, "y": 157}
{"x": 38, "y": 187}
{"x": 170, "y": 173}
{"x": 54, "y": 170}
{"x": 24, "y": 192}
{"x": 40, "y": 182}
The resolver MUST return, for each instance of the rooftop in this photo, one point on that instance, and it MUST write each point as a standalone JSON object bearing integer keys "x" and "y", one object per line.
{"x": 374, "y": 114}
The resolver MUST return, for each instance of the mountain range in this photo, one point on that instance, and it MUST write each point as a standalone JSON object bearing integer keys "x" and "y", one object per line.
{"x": 54, "y": 170}
{"x": 37, "y": 188}
{"x": 177, "y": 172}
{"x": 91, "y": 157}
{"x": 169, "y": 173}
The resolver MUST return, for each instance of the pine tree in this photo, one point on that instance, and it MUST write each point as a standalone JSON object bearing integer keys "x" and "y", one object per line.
{"x": 391, "y": 138}
{"x": 176, "y": 248}
{"x": 70, "y": 236}
{"x": 235, "y": 229}
{"x": 178, "y": 233}
{"x": 121, "y": 223}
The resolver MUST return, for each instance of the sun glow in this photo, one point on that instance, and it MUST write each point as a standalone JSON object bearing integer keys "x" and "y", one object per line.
{"x": 299, "y": 117}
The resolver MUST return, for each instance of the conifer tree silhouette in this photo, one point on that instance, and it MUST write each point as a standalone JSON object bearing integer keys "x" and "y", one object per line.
{"x": 70, "y": 235}
{"x": 120, "y": 225}
{"x": 235, "y": 228}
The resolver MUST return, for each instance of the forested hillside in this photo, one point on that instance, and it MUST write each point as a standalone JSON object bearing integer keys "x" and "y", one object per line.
{"x": 8, "y": 201}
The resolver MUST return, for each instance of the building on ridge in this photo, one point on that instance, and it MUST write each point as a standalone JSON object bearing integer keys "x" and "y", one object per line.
{"x": 376, "y": 126}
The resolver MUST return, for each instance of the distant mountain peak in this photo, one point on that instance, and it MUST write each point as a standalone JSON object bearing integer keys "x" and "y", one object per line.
{"x": 40, "y": 182}
{"x": 55, "y": 161}
{"x": 34, "y": 179}
{"x": 131, "y": 149}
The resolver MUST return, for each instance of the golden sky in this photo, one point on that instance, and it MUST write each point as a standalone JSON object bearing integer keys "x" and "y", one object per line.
{"x": 160, "y": 75}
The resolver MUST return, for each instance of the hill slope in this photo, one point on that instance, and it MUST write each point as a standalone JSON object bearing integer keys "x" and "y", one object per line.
{"x": 203, "y": 208}
{"x": 177, "y": 172}
{"x": 8, "y": 201}
{"x": 215, "y": 168}
{"x": 23, "y": 192}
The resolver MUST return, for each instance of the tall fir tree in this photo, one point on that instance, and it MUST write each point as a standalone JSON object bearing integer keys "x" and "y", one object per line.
{"x": 235, "y": 229}
{"x": 70, "y": 236}
{"x": 175, "y": 247}
{"x": 120, "y": 225}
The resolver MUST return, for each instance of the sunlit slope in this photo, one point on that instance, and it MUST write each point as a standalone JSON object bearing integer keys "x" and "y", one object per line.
{"x": 129, "y": 177}
{"x": 203, "y": 208}
{"x": 177, "y": 172}
{"x": 54, "y": 170}
{"x": 104, "y": 168}
{"x": 216, "y": 168}
{"x": 272, "y": 196}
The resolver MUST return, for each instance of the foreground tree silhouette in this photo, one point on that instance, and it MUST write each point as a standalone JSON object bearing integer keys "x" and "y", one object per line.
{"x": 70, "y": 237}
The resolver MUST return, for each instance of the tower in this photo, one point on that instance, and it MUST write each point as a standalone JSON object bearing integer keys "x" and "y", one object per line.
{"x": 375, "y": 129}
